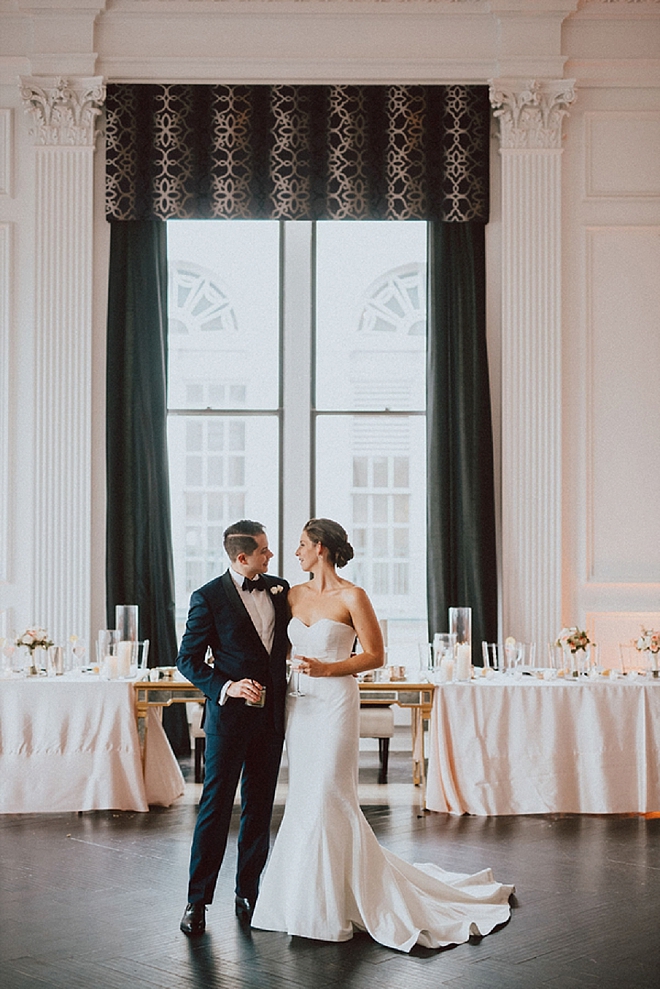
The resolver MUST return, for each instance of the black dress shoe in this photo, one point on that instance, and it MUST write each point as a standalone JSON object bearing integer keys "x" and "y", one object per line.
{"x": 244, "y": 909}
{"x": 194, "y": 919}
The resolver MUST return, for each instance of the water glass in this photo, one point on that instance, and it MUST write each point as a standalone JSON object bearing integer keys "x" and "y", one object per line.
{"x": 106, "y": 653}
{"x": 425, "y": 657}
{"x": 443, "y": 648}
{"x": 555, "y": 657}
{"x": 55, "y": 661}
{"x": 493, "y": 655}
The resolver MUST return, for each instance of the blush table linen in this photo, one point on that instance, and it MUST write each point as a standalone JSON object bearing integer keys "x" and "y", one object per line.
{"x": 505, "y": 746}
{"x": 70, "y": 744}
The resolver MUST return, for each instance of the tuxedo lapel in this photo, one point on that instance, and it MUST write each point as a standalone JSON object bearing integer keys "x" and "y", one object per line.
{"x": 242, "y": 614}
{"x": 279, "y": 599}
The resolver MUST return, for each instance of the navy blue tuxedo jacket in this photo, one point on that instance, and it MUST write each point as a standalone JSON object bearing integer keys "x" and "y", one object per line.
{"x": 218, "y": 619}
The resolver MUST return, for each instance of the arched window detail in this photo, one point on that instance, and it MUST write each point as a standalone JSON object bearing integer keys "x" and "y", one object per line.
{"x": 396, "y": 303}
{"x": 197, "y": 301}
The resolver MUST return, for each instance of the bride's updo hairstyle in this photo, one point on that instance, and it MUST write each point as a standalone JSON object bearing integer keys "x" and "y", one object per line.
{"x": 331, "y": 535}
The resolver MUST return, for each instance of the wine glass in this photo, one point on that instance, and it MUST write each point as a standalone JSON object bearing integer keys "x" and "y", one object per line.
{"x": 295, "y": 662}
{"x": 78, "y": 655}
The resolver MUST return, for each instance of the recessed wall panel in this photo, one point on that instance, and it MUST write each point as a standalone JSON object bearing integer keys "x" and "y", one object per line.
{"x": 622, "y": 158}
{"x": 609, "y": 629}
{"x": 623, "y": 467}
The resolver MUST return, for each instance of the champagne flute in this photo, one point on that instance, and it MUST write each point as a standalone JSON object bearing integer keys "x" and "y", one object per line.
{"x": 295, "y": 663}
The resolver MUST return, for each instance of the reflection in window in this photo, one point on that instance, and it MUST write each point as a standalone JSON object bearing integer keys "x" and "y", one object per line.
{"x": 397, "y": 303}
{"x": 197, "y": 302}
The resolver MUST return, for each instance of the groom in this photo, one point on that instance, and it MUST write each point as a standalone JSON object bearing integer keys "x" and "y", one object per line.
{"x": 242, "y": 617}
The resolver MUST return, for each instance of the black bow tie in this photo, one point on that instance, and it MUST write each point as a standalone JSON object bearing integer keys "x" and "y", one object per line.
{"x": 258, "y": 584}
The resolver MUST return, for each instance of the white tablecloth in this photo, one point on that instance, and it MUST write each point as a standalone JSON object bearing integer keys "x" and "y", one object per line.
{"x": 70, "y": 744}
{"x": 533, "y": 747}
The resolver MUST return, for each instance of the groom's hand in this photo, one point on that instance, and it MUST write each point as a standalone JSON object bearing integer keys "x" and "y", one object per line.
{"x": 249, "y": 690}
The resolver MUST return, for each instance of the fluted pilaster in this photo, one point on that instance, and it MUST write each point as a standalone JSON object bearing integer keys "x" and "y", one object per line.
{"x": 64, "y": 114}
{"x": 530, "y": 116}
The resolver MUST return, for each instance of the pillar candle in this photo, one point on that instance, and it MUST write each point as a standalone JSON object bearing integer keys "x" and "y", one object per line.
{"x": 447, "y": 669}
{"x": 124, "y": 655}
{"x": 110, "y": 667}
{"x": 463, "y": 661}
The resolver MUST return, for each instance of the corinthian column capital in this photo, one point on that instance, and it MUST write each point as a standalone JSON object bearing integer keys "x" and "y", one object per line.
{"x": 531, "y": 111}
{"x": 64, "y": 111}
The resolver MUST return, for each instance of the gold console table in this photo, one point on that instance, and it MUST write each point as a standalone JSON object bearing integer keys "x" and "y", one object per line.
{"x": 416, "y": 696}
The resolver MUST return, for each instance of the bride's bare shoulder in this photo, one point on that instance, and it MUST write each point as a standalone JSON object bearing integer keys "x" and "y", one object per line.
{"x": 297, "y": 591}
{"x": 352, "y": 594}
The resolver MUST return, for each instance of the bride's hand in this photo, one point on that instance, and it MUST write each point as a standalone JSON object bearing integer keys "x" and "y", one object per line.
{"x": 312, "y": 667}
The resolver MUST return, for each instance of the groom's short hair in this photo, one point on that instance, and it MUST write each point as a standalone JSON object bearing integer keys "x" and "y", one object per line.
{"x": 239, "y": 538}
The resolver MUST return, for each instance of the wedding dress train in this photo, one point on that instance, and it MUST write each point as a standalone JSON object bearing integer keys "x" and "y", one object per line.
{"x": 327, "y": 875}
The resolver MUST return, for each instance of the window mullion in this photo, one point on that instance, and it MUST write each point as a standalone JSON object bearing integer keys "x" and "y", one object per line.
{"x": 297, "y": 271}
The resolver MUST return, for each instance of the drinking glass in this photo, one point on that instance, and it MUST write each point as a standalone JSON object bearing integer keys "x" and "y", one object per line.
{"x": 106, "y": 653}
{"x": 425, "y": 657}
{"x": 77, "y": 653}
{"x": 443, "y": 647}
{"x": 493, "y": 654}
{"x": 55, "y": 660}
{"x": 295, "y": 663}
{"x": 555, "y": 657}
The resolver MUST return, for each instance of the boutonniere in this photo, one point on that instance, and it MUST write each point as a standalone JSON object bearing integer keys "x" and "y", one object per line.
{"x": 276, "y": 589}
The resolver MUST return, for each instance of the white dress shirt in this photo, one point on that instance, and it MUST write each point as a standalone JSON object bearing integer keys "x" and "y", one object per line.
{"x": 261, "y": 610}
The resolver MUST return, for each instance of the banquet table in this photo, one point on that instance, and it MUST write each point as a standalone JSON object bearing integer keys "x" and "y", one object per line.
{"x": 498, "y": 745}
{"x": 71, "y": 743}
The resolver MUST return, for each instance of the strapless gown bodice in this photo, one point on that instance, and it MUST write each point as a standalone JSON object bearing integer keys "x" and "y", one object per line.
{"x": 326, "y": 640}
{"x": 327, "y": 875}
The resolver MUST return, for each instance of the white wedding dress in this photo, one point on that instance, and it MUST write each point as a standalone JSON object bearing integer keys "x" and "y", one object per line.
{"x": 327, "y": 875}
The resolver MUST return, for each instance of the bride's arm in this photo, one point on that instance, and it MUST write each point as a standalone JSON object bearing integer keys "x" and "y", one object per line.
{"x": 367, "y": 629}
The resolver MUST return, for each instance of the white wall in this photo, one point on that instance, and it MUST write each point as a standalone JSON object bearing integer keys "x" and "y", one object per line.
{"x": 611, "y": 338}
{"x": 610, "y": 225}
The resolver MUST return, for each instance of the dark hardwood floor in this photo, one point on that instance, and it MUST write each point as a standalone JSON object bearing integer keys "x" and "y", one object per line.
{"x": 94, "y": 902}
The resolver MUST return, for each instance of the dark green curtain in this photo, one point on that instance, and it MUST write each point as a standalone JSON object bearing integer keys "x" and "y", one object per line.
{"x": 139, "y": 568}
{"x": 462, "y": 568}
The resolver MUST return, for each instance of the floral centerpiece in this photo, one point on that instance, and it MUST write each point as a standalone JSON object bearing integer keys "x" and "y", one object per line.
{"x": 573, "y": 640}
{"x": 34, "y": 638}
{"x": 649, "y": 641}
{"x": 31, "y": 639}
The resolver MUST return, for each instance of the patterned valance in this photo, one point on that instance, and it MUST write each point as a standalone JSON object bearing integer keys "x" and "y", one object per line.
{"x": 297, "y": 152}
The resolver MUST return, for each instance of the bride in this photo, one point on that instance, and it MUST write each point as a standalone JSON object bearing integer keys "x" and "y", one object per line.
{"x": 327, "y": 875}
